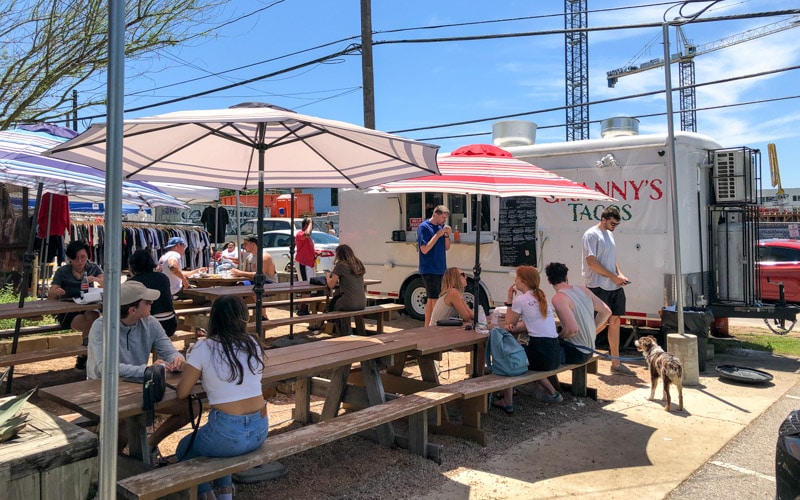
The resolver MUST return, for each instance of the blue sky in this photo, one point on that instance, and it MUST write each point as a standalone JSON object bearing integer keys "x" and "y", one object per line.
{"x": 425, "y": 84}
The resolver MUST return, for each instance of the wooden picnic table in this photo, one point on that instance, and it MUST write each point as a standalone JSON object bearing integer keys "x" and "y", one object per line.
{"x": 36, "y": 308}
{"x": 298, "y": 363}
{"x": 246, "y": 292}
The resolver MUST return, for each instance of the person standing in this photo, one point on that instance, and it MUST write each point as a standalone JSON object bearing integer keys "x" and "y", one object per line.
{"x": 306, "y": 257}
{"x": 66, "y": 284}
{"x": 229, "y": 363}
{"x": 604, "y": 277}
{"x": 576, "y": 307}
{"x": 433, "y": 240}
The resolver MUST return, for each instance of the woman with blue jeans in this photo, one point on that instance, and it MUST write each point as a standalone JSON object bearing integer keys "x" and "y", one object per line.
{"x": 230, "y": 362}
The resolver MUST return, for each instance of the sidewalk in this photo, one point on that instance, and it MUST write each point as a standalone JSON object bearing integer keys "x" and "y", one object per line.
{"x": 633, "y": 448}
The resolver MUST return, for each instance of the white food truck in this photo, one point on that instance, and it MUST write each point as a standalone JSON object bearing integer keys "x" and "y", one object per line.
{"x": 634, "y": 169}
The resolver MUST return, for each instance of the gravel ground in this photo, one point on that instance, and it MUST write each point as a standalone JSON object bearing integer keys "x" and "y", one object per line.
{"x": 357, "y": 468}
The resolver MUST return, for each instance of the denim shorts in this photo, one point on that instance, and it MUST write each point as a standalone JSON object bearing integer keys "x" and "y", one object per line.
{"x": 225, "y": 435}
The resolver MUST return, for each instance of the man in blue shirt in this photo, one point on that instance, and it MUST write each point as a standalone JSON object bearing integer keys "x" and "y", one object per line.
{"x": 433, "y": 240}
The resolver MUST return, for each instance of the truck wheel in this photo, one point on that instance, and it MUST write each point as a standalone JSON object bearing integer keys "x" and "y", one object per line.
{"x": 469, "y": 298}
{"x": 415, "y": 298}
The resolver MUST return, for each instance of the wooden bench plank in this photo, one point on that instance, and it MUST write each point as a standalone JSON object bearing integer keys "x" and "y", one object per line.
{"x": 33, "y": 330}
{"x": 474, "y": 400}
{"x": 22, "y": 358}
{"x": 378, "y": 310}
{"x": 186, "y": 475}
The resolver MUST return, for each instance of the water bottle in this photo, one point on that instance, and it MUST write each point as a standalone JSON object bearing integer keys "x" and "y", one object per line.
{"x": 84, "y": 285}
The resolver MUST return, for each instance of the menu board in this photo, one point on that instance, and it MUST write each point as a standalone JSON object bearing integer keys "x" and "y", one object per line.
{"x": 517, "y": 231}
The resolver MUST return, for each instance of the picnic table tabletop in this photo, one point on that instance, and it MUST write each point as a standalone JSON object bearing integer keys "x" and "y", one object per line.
{"x": 35, "y": 308}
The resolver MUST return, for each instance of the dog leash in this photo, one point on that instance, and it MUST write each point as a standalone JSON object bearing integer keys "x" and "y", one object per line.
{"x": 195, "y": 421}
{"x": 602, "y": 354}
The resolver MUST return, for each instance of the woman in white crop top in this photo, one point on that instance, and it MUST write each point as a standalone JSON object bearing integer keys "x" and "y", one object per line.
{"x": 230, "y": 362}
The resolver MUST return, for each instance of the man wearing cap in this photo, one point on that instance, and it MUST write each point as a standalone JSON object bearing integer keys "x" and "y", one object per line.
{"x": 171, "y": 264}
{"x": 139, "y": 335}
{"x": 250, "y": 245}
{"x": 433, "y": 239}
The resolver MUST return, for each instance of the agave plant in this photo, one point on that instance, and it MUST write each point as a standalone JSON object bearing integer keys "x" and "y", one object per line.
{"x": 10, "y": 422}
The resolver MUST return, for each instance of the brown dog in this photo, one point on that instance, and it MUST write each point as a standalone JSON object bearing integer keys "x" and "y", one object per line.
{"x": 664, "y": 365}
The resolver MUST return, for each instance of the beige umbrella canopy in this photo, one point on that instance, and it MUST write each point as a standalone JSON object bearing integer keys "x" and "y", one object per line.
{"x": 252, "y": 144}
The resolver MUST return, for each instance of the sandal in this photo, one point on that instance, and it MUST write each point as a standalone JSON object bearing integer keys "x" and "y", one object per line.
{"x": 508, "y": 409}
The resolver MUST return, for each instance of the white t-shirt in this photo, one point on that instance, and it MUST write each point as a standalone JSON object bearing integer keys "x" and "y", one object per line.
{"x": 599, "y": 244}
{"x": 527, "y": 307}
{"x": 208, "y": 357}
{"x": 229, "y": 255}
{"x": 175, "y": 283}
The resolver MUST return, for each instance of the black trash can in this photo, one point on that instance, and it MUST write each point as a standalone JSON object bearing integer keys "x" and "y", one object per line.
{"x": 696, "y": 321}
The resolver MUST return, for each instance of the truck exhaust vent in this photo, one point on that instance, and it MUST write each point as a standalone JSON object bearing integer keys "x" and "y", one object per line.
{"x": 513, "y": 133}
{"x": 618, "y": 126}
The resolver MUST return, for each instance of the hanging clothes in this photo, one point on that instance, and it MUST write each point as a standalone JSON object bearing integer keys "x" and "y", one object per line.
{"x": 52, "y": 224}
{"x": 215, "y": 219}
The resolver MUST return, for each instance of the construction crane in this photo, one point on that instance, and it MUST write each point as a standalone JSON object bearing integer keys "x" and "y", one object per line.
{"x": 685, "y": 60}
{"x": 576, "y": 50}
{"x": 775, "y": 174}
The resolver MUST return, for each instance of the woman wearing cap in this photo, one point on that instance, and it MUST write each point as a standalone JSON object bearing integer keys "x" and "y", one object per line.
{"x": 171, "y": 265}
{"x": 142, "y": 266}
{"x": 229, "y": 363}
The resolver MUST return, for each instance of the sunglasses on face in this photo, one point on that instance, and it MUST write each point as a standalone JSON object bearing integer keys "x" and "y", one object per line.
{"x": 463, "y": 275}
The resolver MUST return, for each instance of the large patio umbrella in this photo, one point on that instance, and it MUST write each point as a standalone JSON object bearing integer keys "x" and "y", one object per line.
{"x": 247, "y": 145}
{"x": 483, "y": 169}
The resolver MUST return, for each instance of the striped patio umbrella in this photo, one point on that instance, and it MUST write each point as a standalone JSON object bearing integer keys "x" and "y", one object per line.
{"x": 22, "y": 164}
{"x": 484, "y": 169}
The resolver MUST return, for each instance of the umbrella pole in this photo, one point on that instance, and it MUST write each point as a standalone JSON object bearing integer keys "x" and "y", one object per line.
{"x": 476, "y": 279}
{"x": 291, "y": 260}
{"x": 258, "y": 287}
{"x": 27, "y": 270}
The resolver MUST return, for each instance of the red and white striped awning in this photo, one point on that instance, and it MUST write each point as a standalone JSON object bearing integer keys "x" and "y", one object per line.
{"x": 487, "y": 169}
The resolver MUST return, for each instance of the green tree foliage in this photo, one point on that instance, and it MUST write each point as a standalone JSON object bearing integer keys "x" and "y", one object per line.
{"x": 50, "y": 47}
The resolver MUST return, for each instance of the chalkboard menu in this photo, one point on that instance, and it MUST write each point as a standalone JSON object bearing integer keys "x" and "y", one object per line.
{"x": 517, "y": 231}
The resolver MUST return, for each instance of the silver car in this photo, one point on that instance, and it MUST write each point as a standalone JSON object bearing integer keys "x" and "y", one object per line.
{"x": 277, "y": 244}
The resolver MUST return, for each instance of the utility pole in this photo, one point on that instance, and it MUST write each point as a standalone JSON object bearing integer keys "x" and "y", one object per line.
{"x": 367, "y": 77}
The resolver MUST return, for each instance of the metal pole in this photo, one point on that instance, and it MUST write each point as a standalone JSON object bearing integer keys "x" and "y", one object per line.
{"x": 113, "y": 252}
{"x": 676, "y": 239}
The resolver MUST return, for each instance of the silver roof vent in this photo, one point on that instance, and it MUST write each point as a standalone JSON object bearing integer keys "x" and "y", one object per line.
{"x": 513, "y": 133}
{"x": 619, "y": 125}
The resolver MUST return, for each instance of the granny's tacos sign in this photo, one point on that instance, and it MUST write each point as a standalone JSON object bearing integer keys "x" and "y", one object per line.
{"x": 641, "y": 194}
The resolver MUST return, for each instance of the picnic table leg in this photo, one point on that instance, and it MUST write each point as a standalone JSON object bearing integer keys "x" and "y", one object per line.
{"x": 579, "y": 381}
{"x": 376, "y": 396}
{"x": 302, "y": 401}
{"x": 137, "y": 438}
{"x": 427, "y": 368}
{"x": 335, "y": 392}
{"x": 398, "y": 366}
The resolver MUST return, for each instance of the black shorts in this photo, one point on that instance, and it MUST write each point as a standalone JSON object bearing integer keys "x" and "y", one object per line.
{"x": 544, "y": 354}
{"x": 433, "y": 285}
{"x": 614, "y": 299}
{"x": 65, "y": 319}
{"x": 573, "y": 355}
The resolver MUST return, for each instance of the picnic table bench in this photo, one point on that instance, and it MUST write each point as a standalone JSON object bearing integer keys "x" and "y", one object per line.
{"x": 379, "y": 312}
{"x": 185, "y": 476}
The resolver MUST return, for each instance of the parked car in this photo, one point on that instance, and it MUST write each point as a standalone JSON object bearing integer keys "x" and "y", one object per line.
{"x": 787, "y": 458}
{"x": 779, "y": 261}
{"x": 277, "y": 244}
{"x": 248, "y": 227}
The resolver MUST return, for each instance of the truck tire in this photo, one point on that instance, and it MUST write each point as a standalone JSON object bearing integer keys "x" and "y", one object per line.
{"x": 469, "y": 297}
{"x": 415, "y": 298}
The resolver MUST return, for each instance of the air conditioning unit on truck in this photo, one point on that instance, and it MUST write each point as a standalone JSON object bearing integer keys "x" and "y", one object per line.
{"x": 634, "y": 169}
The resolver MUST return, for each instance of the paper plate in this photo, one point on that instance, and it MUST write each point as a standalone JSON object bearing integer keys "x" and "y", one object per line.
{"x": 744, "y": 374}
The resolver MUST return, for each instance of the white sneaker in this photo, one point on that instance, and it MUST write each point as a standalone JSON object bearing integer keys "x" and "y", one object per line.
{"x": 548, "y": 398}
